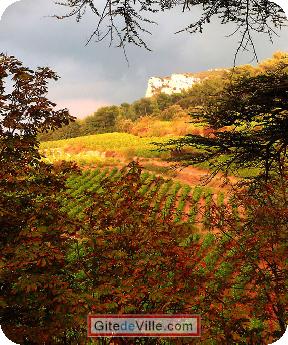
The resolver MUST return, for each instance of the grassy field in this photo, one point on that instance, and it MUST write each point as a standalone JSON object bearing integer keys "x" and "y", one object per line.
{"x": 101, "y": 148}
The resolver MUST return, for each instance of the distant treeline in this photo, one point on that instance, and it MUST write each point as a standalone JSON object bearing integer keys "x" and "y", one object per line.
{"x": 120, "y": 118}
{"x": 161, "y": 106}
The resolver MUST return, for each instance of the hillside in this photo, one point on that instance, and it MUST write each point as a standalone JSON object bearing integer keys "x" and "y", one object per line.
{"x": 115, "y": 135}
{"x": 166, "y": 112}
{"x": 116, "y": 150}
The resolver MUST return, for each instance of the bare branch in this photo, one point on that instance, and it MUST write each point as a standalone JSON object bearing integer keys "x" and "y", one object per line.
{"x": 123, "y": 22}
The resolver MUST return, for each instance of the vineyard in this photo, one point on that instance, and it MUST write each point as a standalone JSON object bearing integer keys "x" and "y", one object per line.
{"x": 179, "y": 202}
{"x": 91, "y": 148}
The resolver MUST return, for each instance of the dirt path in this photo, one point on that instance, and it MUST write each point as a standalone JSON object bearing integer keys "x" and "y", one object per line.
{"x": 192, "y": 175}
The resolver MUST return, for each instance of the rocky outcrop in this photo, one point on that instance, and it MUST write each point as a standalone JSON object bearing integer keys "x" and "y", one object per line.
{"x": 173, "y": 84}
{"x": 179, "y": 82}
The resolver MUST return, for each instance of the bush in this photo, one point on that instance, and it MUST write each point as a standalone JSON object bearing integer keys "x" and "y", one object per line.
{"x": 172, "y": 113}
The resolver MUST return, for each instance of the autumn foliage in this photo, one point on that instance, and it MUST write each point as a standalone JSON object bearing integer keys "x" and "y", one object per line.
{"x": 119, "y": 257}
{"x": 34, "y": 233}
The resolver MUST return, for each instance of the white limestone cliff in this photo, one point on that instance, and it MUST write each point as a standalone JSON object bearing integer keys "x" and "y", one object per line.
{"x": 173, "y": 84}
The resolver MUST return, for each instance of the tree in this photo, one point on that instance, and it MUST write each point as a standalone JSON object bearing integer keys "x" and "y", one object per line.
{"x": 72, "y": 130}
{"x": 171, "y": 113}
{"x": 246, "y": 300}
{"x": 245, "y": 295}
{"x": 36, "y": 293}
{"x": 102, "y": 121}
{"x": 144, "y": 107}
{"x": 249, "y": 121}
{"x": 125, "y": 21}
{"x": 198, "y": 94}
{"x": 164, "y": 101}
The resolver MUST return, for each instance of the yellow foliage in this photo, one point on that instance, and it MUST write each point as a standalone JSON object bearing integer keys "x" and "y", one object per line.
{"x": 153, "y": 127}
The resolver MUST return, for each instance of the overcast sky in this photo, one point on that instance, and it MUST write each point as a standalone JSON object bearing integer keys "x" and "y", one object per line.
{"x": 96, "y": 75}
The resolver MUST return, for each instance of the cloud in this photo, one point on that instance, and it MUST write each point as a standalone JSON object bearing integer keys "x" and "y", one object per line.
{"x": 100, "y": 74}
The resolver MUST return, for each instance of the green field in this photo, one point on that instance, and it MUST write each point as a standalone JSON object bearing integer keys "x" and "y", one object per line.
{"x": 92, "y": 148}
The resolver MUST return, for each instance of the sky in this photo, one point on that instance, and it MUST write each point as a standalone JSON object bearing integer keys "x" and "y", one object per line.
{"x": 96, "y": 75}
